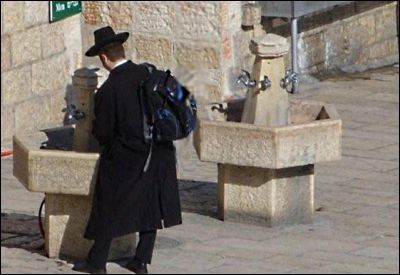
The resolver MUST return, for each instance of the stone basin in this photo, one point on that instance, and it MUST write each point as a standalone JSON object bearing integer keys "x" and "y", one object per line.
{"x": 313, "y": 135}
{"x": 53, "y": 171}
{"x": 266, "y": 174}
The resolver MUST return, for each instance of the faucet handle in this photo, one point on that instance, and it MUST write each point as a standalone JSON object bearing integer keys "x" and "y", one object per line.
{"x": 244, "y": 78}
{"x": 265, "y": 83}
{"x": 72, "y": 114}
{"x": 290, "y": 78}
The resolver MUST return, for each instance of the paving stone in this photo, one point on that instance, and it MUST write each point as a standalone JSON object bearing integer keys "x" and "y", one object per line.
{"x": 351, "y": 268}
{"x": 392, "y": 155}
{"x": 381, "y": 129}
{"x": 364, "y": 134}
{"x": 365, "y": 144}
{"x": 359, "y": 174}
{"x": 347, "y": 258}
{"x": 364, "y": 164}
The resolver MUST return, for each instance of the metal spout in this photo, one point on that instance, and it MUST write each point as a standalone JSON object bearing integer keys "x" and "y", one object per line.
{"x": 244, "y": 78}
{"x": 72, "y": 115}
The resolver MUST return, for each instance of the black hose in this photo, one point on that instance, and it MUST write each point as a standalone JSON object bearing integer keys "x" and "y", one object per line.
{"x": 40, "y": 219}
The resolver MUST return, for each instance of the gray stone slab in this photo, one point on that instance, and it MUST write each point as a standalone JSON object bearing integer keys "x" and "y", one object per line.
{"x": 359, "y": 174}
{"x": 21, "y": 261}
{"x": 343, "y": 268}
{"x": 386, "y": 97}
{"x": 298, "y": 262}
{"x": 349, "y": 124}
{"x": 364, "y": 199}
{"x": 377, "y": 118}
{"x": 363, "y": 164}
{"x": 389, "y": 192}
{"x": 391, "y": 156}
{"x": 384, "y": 240}
{"x": 392, "y": 150}
{"x": 394, "y": 172}
{"x": 365, "y": 134}
{"x": 327, "y": 178}
{"x": 357, "y": 269}
{"x": 290, "y": 245}
{"x": 347, "y": 258}
{"x": 381, "y": 129}
{"x": 365, "y": 144}
{"x": 368, "y": 109}
{"x": 236, "y": 266}
{"x": 195, "y": 262}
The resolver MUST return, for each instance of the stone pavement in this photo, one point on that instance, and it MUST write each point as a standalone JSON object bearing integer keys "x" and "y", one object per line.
{"x": 356, "y": 223}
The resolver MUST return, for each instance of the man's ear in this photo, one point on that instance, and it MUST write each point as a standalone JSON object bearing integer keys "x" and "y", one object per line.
{"x": 103, "y": 57}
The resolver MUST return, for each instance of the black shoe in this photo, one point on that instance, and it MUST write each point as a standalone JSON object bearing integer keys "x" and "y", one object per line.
{"x": 137, "y": 266}
{"x": 87, "y": 268}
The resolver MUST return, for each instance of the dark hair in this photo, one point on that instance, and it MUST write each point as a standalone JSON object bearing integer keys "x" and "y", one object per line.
{"x": 113, "y": 51}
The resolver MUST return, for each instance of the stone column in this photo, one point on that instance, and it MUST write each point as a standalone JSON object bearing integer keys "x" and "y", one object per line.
{"x": 268, "y": 107}
{"x": 85, "y": 84}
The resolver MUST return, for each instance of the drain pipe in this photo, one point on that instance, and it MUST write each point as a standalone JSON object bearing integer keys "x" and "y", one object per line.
{"x": 295, "y": 88}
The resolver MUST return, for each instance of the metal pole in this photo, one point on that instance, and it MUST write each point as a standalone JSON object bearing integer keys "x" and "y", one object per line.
{"x": 294, "y": 53}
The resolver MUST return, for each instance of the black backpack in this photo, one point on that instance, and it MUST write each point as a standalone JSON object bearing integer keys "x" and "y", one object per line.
{"x": 168, "y": 108}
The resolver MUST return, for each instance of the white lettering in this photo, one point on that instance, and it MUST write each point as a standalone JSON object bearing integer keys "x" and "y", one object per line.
{"x": 60, "y": 7}
{"x": 72, "y": 3}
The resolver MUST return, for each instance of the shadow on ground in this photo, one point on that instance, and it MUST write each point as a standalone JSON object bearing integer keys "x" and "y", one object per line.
{"x": 21, "y": 231}
{"x": 199, "y": 197}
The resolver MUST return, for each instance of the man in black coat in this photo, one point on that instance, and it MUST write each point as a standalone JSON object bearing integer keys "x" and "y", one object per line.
{"x": 126, "y": 199}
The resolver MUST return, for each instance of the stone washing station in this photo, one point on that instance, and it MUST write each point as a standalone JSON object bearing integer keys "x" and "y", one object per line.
{"x": 67, "y": 177}
{"x": 266, "y": 145}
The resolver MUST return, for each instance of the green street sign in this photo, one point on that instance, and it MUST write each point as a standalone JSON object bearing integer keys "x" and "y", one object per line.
{"x": 63, "y": 9}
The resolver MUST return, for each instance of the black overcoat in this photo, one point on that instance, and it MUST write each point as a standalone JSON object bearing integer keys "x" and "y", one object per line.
{"x": 125, "y": 199}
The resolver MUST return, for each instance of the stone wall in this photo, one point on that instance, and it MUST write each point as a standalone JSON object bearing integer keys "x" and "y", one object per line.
{"x": 199, "y": 38}
{"x": 37, "y": 60}
{"x": 354, "y": 37}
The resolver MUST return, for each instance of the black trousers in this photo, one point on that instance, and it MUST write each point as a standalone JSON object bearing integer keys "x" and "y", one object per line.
{"x": 144, "y": 251}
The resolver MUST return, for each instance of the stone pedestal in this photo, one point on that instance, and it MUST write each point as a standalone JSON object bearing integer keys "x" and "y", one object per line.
{"x": 85, "y": 84}
{"x": 270, "y": 197}
{"x": 269, "y": 107}
{"x": 266, "y": 166}
{"x": 265, "y": 195}
{"x": 66, "y": 219}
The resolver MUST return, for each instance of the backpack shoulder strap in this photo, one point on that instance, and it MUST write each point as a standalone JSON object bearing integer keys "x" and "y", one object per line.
{"x": 147, "y": 129}
{"x": 149, "y": 67}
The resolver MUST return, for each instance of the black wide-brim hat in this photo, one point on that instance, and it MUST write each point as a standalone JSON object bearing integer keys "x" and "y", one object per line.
{"x": 103, "y": 37}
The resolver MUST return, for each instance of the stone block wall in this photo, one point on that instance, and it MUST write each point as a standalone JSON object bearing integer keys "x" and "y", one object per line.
{"x": 37, "y": 61}
{"x": 196, "y": 37}
{"x": 354, "y": 37}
